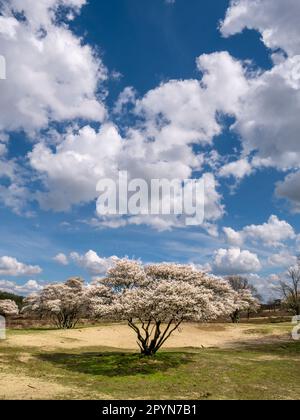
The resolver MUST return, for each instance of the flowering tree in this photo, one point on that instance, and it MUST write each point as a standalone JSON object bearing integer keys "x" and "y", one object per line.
{"x": 8, "y": 308}
{"x": 66, "y": 303}
{"x": 156, "y": 299}
{"x": 246, "y": 297}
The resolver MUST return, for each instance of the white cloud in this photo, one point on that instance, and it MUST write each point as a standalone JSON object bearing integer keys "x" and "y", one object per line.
{"x": 283, "y": 260}
{"x": 31, "y": 286}
{"x": 213, "y": 207}
{"x": 171, "y": 118}
{"x": 224, "y": 79}
{"x": 184, "y": 111}
{"x": 213, "y": 211}
{"x": 61, "y": 259}
{"x": 51, "y": 74}
{"x": 289, "y": 189}
{"x": 126, "y": 97}
{"x": 267, "y": 286}
{"x": 272, "y": 233}
{"x": 268, "y": 119}
{"x": 234, "y": 238}
{"x": 92, "y": 262}
{"x": 71, "y": 173}
{"x": 238, "y": 169}
{"x": 42, "y": 13}
{"x": 12, "y": 267}
{"x": 235, "y": 261}
{"x": 278, "y": 22}
{"x": 15, "y": 196}
{"x": 14, "y": 193}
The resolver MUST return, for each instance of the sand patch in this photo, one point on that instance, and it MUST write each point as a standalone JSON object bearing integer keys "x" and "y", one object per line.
{"x": 122, "y": 337}
{"x": 21, "y": 387}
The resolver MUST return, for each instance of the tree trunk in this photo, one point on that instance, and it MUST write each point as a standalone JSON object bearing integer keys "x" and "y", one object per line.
{"x": 66, "y": 321}
{"x": 150, "y": 336}
{"x": 235, "y": 317}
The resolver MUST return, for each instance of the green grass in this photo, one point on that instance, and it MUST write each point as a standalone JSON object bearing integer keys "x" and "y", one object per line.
{"x": 257, "y": 372}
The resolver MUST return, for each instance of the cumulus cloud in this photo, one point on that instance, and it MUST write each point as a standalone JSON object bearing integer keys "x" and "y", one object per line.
{"x": 235, "y": 261}
{"x": 61, "y": 259}
{"x": 165, "y": 124}
{"x": 184, "y": 111}
{"x": 126, "y": 97}
{"x": 284, "y": 259}
{"x": 51, "y": 74}
{"x": 268, "y": 119}
{"x": 267, "y": 286}
{"x": 278, "y": 22}
{"x": 289, "y": 189}
{"x": 72, "y": 171}
{"x": 92, "y": 262}
{"x": 31, "y": 286}
{"x": 271, "y": 233}
{"x": 44, "y": 12}
{"x": 55, "y": 86}
{"x": 171, "y": 118}
{"x": 14, "y": 193}
{"x": 238, "y": 169}
{"x": 12, "y": 267}
{"x": 233, "y": 237}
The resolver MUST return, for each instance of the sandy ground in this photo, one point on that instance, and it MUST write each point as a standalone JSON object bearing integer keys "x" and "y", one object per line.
{"x": 122, "y": 337}
{"x": 21, "y": 387}
{"x": 18, "y": 385}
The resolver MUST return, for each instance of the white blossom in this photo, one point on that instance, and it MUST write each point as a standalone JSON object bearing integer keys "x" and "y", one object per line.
{"x": 8, "y": 308}
{"x": 66, "y": 303}
{"x": 156, "y": 299}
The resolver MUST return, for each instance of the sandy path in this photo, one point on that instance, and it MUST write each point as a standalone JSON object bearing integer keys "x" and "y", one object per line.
{"x": 122, "y": 337}
{"x": 21, "y": 387}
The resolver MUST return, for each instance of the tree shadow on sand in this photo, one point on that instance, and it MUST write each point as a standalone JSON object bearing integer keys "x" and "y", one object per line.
{"x": 116, "y": 364}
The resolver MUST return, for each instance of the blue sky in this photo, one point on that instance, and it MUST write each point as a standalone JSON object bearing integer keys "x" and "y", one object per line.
{"x": 68, "y": 65}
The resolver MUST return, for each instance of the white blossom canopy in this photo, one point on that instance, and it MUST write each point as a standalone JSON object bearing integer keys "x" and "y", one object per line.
{"x": 155, "y": 299}
{"x": 8, "y": 308}
{"x": 66, "y": 303}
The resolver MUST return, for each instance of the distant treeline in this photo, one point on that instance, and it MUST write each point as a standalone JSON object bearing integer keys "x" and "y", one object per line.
{"x": 11, "y": 296}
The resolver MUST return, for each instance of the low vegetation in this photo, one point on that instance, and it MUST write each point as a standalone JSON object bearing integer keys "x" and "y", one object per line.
{"x": 253, "y": 370}
{"x": 256, "y": 360}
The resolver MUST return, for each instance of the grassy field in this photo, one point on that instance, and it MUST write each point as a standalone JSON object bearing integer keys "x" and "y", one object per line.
{"x": 264, "y": 364}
